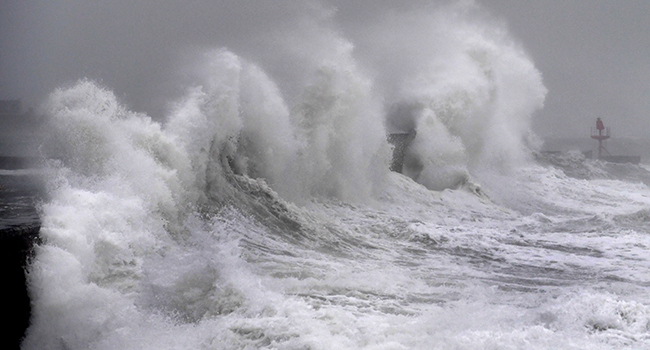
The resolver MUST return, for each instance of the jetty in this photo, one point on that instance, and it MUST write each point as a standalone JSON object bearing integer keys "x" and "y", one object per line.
{"x": 401, "y": 141}
{"x": 601, "y": 134}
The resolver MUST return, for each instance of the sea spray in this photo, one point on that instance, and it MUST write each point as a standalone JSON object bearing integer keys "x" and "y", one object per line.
{"x": 182, "y": 234}
{"x": 115, "y": 197}
{"x": 462, "y": 72}
{"x": 436, "y": 158}
{"x": 124, "y": 188}
{"x": 332, "y": 142}
{"x": 101, "y": 146}
{"x": 206, "y": 122}
{"x": 339, "y": 116}
{"x": 268, "y": 138}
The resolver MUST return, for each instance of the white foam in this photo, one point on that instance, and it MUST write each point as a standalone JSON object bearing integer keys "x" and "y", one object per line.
{"x": 160, "y": 236}
{"x": 469, "y": 89}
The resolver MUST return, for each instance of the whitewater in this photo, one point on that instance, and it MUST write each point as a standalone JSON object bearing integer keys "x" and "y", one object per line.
{"x": 258, "y": 217}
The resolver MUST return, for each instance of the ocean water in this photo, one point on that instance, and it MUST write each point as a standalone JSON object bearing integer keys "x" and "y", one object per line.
{"x": 20, "y": 191}
{"x": 249, "y": 219}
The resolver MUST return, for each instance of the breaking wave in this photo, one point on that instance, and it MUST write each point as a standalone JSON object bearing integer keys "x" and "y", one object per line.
{"x": 254, "y": 218}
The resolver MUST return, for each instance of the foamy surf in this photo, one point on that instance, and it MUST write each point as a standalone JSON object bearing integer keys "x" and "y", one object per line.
{"x": 244, "y": 221}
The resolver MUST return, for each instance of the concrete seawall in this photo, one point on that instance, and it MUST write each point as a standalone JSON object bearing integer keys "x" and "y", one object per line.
{"x": 16, "y": 250}
{"x": 622, "y": 159}
{"x": 20, "y": 190}
{"x": 400, "y": 141}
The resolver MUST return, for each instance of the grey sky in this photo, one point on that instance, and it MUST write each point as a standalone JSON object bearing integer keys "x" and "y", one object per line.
{"x": 594, "y": 55}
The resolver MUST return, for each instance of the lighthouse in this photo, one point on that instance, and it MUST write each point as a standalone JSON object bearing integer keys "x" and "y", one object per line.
{"x": 601, "y": 134}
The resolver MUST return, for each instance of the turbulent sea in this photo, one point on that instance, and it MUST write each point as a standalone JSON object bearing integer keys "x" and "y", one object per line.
{"x": 251, "y": 220}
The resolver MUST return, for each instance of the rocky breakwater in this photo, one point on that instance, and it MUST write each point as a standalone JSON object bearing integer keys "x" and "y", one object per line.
{"x": 20, "y": 191}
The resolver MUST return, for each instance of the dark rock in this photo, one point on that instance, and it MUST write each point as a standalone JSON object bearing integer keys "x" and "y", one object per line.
{"x": 16, "y": 250}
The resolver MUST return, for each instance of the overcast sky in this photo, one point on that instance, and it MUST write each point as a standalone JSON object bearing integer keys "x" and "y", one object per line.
{"x": 594, "y": 56}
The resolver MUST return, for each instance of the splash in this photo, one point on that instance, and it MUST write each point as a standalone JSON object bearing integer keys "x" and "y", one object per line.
{"x": 233, "y": 121}
{"x": 125, "y": 188}
{"x": 467, "y": 88}
{"x": 117, "y": 195}
{"x": 340, "y": 119}
{"x": 143, "y": 229}
{"x": 331, "y": 143}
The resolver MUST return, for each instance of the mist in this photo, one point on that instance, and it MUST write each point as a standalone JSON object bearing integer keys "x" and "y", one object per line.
{"x": 592, "y": 55}
{"x": 594, "y": 59}
{"x": 137, "y": 49}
